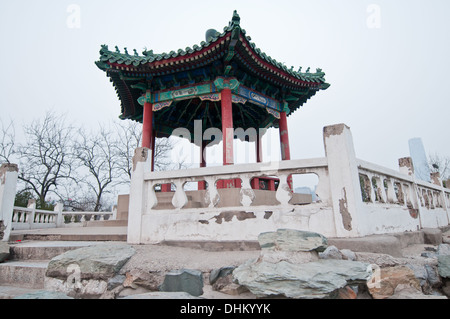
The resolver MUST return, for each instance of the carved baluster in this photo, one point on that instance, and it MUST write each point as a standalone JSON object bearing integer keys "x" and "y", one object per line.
{"x": 212, "y": 197}
{"x": 391, "y": 196}
{"x": 247, "y": 194}
{"x": 381, "y": 191}
{"x": 152, "y": 200}
{"x": 283, "y": 194}
{"x": 179, "y": 198}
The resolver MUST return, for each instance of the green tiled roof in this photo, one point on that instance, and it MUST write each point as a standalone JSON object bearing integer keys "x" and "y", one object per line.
{"x": 227, "y": 54}
{"x": 148, "y": 56}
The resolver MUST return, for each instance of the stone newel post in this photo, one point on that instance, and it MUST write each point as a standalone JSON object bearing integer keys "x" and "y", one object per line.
{"x": 8, "y": 182}
{"x": 344, "y": 180}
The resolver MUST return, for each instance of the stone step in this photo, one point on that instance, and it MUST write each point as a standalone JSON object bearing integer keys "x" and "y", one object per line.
{"x": 23, "y": 274}
{"x": 44, "y": 250}
{"x": 107, "y": 223}
{"x": 118, "y": 233}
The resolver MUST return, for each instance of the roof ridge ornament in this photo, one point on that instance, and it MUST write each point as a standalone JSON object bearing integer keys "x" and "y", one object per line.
{"x": 236, "y": 20}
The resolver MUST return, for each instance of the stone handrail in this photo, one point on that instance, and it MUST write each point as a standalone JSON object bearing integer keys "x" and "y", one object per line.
{"x": 24, "y": 218}
{"x": 356, "y": 198}
{"x": 244, "y": 172}
{"x": 399, "y": 193}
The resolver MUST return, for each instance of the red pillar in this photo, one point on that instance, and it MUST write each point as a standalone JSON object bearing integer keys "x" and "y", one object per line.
{"x": 227, "y": 132}
{"x": 147, "y": 128}
{"x": 202, "y": 184}
{"x": 284, "y": 142}
{"x": 227, "y": 126}
{"x": 258, "y": 148}
{"x": 284, "y": 137}
{"x": 153, "y": 149}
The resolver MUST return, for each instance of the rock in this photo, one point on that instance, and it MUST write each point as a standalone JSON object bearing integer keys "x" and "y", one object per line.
{"x": 446, "y": 288}
{"x": 292, "y": 240}
{"x": 433, "y": 277}
{"x": 162, "y": 295}
{"x": 382, "y": 260}
{"x": 404, "y": 291}
{"x": 148, "y": 280}
{"x": 420, "y": 272}
{"x": 227, "y": 286}
{"x": 390, "y": 278}
{"x": 347, "y": 254}
{"x": 443, "y": 250}
{"x": 101, "y": 261}
{"x": 85, "y": 272}
{"x": 4, "y": 251}
{"x": 82, "y": 289}
{"x": 332, "y": 252}
{"x": 43, "y": 294}
{"x": 115, "y": 282}
{"x": 294, "y": 246}
{"x": 428, "y": 254}
{"x": 346, "y": 293}
{"x": 444, "y": 266}
{"x": 309, "y": 280}
{"x": 432, "y": 236}
{"x": 293, "y": 257}
{"x": 187, "y": 280}
{"x": 218, "y": 273}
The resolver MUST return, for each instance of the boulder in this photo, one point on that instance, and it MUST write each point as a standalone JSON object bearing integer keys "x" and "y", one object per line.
{"x": 85, "y": 272}
{"x": 187, "y": 280}
{"x": 444, "y": 266}
{"x": 4, "y": 251}
{"x": 403, "y": 291}
{"x": 389, "y": 278}
{"x": 148, "y": 280}
{"x": 432, "y": 236}
{"x": 226, "y": 285}
{"x": 300, "y": 281}
{"x": 101, "y": 261}
{"x": 443, "y": 249}
{"x": 332, "y": 252}
{"x": 294, "y": 246}
{"x": 347, "y": 254}
{"x": 292, "y": 240}
{"x": 219, "y": 273}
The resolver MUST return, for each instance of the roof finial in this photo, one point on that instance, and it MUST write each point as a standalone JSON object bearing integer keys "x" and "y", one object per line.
{"x": 236, "y": 20}
{"x": 117, "y": 49}
{"x": 126, "y": 51}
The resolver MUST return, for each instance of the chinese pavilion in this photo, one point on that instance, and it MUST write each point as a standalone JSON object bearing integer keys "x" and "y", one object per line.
{"x": 226, "y": 82}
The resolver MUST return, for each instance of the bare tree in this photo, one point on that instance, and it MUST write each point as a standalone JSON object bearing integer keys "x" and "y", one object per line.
{"x": 129, "y": 136}
{"x": 45, "y": 158}
{"x": 7, "y": 141}
{"x": 439, "y": 164}
{"x": 97, "y": 153}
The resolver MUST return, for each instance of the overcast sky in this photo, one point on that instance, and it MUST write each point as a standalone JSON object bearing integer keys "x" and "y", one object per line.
{"x": 387, "y": 62}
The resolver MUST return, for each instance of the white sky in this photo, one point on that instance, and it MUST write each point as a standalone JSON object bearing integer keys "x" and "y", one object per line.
{"x": 389, "y": 84}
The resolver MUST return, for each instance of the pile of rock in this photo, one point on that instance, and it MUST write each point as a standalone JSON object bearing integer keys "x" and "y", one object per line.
{"x": 292, "y": 264}
{"x": 289, "y": 266}
{"x": 297, "y": 264}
